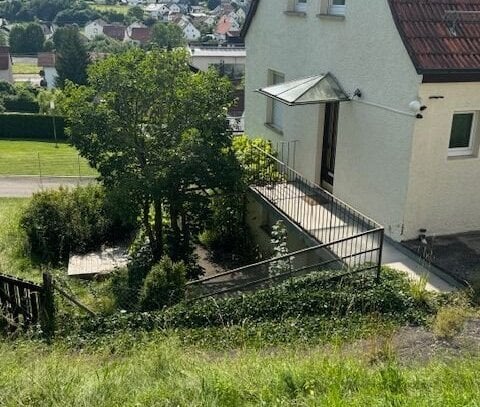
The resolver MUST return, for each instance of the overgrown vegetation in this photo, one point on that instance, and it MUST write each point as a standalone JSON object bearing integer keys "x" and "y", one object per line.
{"x": 64, "y": 221}
{"x": 160, "y": 371}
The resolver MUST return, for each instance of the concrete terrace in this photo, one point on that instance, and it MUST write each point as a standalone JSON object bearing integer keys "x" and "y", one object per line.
{"x": 327, "y": 221}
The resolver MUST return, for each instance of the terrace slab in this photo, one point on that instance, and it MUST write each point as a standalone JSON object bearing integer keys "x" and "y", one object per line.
{"x": 101, "y": 262}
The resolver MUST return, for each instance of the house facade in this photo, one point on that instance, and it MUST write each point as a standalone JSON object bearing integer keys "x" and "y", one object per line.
{"x": 379, "y": 102}
{"x": 94, "y": 29}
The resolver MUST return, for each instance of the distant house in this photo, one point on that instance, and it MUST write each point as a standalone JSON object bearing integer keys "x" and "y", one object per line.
{"x": 157, "y": 11}
{"x": 94, "y": 29}
{"x": 138, "y": 33}
{"x": 224, "y": 25}
{"x": 6, "y": 73}
{"x": 46, "y": 62}
{"x": 175, "y": 9}
{"x": 190, "y": 32}
{"x": 115, "y": 31}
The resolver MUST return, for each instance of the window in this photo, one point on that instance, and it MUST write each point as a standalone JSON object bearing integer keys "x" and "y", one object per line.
{"x": 462, "y": 136}
{"x": 301, "y": 6}
{"x": 337, "y": 7}
{"x": 275, "y": 108}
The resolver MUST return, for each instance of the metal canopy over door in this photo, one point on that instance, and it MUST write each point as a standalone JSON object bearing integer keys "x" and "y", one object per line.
{"x": 329, "y": 145}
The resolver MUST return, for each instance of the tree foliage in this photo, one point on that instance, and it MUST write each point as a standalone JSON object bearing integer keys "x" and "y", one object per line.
{"x": 169, "y": 36}
{"x": 26, "y": 39}
{"x": 72, "y": 58}
{"x": 157, "y": 132}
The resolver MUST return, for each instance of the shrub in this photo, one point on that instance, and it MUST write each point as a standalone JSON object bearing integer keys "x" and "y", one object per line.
{"x": 449, "y": 322}
{"x": 30, "y": 126}
{"x": 71, "y": 220}
{"x": 164, "y": 285}
{"x": 124, "y": 293}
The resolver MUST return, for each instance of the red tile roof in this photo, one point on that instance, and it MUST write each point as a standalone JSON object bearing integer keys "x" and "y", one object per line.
{"x": 224, "y": 25}
{"x": 117, "y": 32}
{"x": 46, "y": 59}
{"x": 140, "y": 34}
{"x": 440, "y": 35}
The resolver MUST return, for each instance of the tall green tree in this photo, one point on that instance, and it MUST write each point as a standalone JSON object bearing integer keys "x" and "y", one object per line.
{"x": 158, "y": 133}
{"x": 25, "y": 39}
{"x": 169, "y": 36}
{"x": 72, "y": 57}
{"x": 135, "y": 13}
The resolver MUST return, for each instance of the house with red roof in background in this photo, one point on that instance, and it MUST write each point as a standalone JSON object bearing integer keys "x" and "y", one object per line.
{"x": 381, "y": 99}
{"x": 6, "y": 73}
{"x": 138, "y": 33}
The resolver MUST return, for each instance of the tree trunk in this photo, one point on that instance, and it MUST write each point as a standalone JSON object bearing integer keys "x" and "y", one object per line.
{"x": 158, "y": 253}
{"x": 147, "y": 226}
{"x": 177, "y": 237}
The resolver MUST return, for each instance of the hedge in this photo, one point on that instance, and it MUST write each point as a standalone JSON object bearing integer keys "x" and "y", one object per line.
{"x": 31, "y": 126}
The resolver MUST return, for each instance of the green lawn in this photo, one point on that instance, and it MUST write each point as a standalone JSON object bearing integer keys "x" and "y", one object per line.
{"x": 19, "y": 68}
{"x": 12, "y": 243}
{"x": 41, "y": 158}
{"x": 106, "y": 7}
{"x": 159, "y": 371}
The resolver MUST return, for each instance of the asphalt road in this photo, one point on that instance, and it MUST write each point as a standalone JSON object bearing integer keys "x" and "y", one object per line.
{"x": 25, "y": 186}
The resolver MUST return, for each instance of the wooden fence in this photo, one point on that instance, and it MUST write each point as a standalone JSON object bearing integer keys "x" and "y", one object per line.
{"x": 24, "y": 304}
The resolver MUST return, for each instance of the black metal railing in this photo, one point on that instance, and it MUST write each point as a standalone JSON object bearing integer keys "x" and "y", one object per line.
{"x": 311, "y": 260}
{"x": 348, "y": 241}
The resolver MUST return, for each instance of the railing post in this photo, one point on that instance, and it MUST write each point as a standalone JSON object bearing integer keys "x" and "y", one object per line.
{"x": 47, "y": 306}
{"x": 380, "y": 254}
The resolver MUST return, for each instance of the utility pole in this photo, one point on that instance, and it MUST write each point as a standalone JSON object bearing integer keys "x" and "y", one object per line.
{"x": 52, "y": 109}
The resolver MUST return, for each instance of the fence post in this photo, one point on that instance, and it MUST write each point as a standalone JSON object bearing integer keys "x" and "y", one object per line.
{"x": 40, "y": 170}
{"x": 47, "y": 306}
{"x": 79, "y": 171}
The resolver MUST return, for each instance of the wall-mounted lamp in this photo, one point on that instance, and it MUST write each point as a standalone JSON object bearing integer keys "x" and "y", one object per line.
{"x": 417, "y": 107}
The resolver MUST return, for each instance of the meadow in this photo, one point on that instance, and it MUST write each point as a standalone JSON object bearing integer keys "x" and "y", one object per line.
{"x": 23, "y": 157}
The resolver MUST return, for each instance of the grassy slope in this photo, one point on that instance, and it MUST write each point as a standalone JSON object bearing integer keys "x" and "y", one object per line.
{"x": 160, "y": 372}
{"x": 24, "y": 157}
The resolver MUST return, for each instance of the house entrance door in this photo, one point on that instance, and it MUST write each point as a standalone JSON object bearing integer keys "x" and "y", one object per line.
{"x": 329, "y": 145}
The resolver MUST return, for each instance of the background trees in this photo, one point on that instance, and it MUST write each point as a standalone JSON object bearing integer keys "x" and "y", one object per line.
{"x": 72, "y": 58}
{"x": 158, "y": 133}
{"x": 167, "y": 36}
{"x": 26, "y": 39}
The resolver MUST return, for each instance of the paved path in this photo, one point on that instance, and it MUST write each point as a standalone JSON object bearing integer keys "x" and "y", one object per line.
{"x": 25, "y": 186}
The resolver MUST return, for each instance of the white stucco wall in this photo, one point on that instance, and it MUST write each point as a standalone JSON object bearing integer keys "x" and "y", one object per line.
{"x": 362, "y": 51}
{"x": 50, "y": 77}
{"x": 202, "y": 60}
{"x": 444, "y": 193}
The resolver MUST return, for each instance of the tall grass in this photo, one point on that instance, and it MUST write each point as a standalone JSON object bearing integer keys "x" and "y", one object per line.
{"x": 159, "y": 372}
{"x": 12, "y": 241}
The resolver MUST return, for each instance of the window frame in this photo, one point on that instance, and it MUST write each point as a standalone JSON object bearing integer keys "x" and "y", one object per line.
{"x": 300, "y": 6}
{"x": 465, "y": 151}
{"x": 271, "y": 103}
{"x": 336, "y": 9}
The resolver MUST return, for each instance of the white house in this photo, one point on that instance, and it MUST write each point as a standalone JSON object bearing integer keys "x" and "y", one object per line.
{"x": 226, "y": 59}
{"x": 157, "y": 10}
{"x": 175, "y": 8}
{"x": 46, "y": 63}
{"x": 190, "y": 32}
{"x": 381, "y": 99}
{"x": 94, "y": 28}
